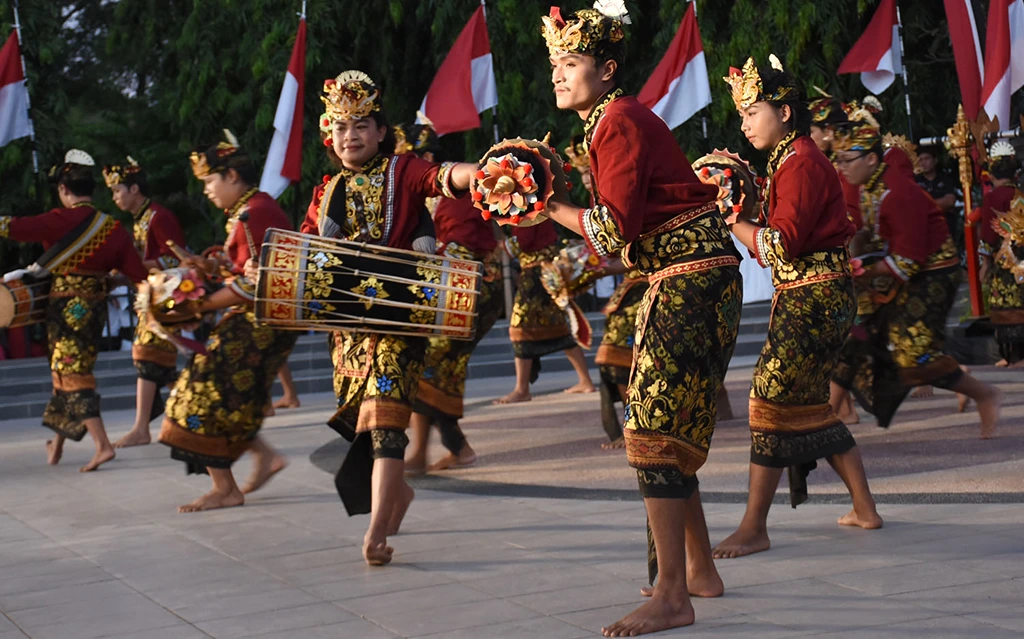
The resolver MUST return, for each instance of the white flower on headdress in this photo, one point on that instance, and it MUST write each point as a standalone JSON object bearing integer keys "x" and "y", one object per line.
{"x": 775, "y": 62}
{"x": 872, "y": 102}
{"x": 77, "y": 156}
{"x": 614, "y": 9}
{"x": 1001, "y": 149}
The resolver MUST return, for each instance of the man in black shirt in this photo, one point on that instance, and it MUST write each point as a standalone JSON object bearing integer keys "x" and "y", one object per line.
{"x": 943, "y": 190}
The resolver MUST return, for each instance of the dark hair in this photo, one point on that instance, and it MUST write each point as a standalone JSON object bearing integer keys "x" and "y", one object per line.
{"x": 387, "y": 145}
{"x": 877, "y": 151}
{"x": 773, "y": 80}
{"x": 137, "y": 179}
{"x": 930, "y": 150}
{"x": 1004, "y": 168}
{"x": 247, "y": 172}
{"x": 77, "y": 178}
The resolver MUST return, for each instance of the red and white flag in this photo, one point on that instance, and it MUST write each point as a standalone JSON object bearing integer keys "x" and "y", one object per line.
{"x": 464, "y": 85}
{"x": 1004, "y": 58}
{"x": 970, "y": 67}
{"x": 679, "y": 86}
{"x": 284, "y": 159}
{"x": 14, "y": 120}
{"x": 876, "y": 56}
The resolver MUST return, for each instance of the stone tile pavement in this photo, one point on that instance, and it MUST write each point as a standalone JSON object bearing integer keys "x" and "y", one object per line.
{"x": 106, "y": 555}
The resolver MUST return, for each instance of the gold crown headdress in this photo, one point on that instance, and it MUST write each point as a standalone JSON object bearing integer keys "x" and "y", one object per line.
{"x": 862, "y": 132}
{"x": 595, "y": 32}
{"x": 577, "y": 154}
{"x": 747, "y": 87}
{"x": 350, "y": 96}
{"x": 825, "y": 110}
{"x": 207, "y": 161}
{"x": 114, "y": 174}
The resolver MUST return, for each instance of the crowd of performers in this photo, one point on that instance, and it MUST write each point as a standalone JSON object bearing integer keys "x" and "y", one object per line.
{"x": 861, "y": 258}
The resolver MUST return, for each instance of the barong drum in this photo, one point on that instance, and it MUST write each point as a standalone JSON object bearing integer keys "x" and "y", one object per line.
{"x": 308, "y": 282}
{"x": 23, "y": 303}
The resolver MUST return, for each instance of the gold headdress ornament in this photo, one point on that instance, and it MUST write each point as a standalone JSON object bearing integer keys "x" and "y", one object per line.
{"x": 350, "y": 96}
{"x": 114, "y": 174}
{"x": 747, "y": 87}
{"x": 577, "y": 154}
{"x": 595, "y": 32}
{"x": 418, "y": 138}
{"x": 205, "y": 162}
{"x": 825, "y": 110}
{"x": 862, "y": 132}
{"x": 891, "y": 141}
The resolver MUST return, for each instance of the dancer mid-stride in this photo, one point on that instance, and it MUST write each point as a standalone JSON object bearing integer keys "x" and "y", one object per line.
{"x": 802, "y": 237}
{"x": 653, "y": 210}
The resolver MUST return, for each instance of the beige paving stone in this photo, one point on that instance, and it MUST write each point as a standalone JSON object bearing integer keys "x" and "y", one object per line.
{"x": 579, "y": 598}
{"x": 295, "y": 620}
{"x": 1010, "y": 617}
{"x": 896, "y": 580}
{"x": 468, "y": 615}
{"x": 970, "y": 598}
{"x": 946, "y": 627}
{"x": 432, "y": 600}
{"x": 545, "y": 627}
{"x": 236, "y": 605}
{"x": 359, "y": 628}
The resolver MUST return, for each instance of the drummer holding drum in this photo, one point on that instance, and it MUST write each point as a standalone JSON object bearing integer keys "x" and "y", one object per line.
{"x": 82, "y": 246}
{"x": 375, "y": 197}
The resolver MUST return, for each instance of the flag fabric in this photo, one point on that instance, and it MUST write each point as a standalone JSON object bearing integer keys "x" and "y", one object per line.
{"x": 679, "y": 86}
{"x": 284, "y": 159}
{"x": 464, "y": 85}
{"x": 970, "y": 68}
{"x": 876, "y": 56}
{"x": 14, "y": 120}
{"x": 1004, "y": 58}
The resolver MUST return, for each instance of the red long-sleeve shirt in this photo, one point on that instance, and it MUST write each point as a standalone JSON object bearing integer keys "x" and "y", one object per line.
{"x": 112, "y": 248}
{"x": 459, "y": 222}
{"x": 153, "y": 228}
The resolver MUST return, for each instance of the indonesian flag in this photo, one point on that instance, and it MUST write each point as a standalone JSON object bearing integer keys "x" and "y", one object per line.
{"x": 14, "y": 122}
{"x": 970, "y": 68}
{"x": 876, "y": 56}
{"x": 679, "y": 86}
{"x": 1004, "y": 57}
{"x": 284, "y": 159}
{"x": 464, "y": 85}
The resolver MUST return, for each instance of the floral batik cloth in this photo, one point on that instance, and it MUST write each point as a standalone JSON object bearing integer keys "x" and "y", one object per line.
{"x": 75, "y": 317}
{"x": 538, "y": 326}
{"x": 216, "y": 407}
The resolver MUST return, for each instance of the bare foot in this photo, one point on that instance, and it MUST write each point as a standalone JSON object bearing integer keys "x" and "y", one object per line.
{"x": 1002, "y": 363}
{"x": 134, "y": 438}
{"x": 989, "y": 409}
{"x": 401, "y": 507}
{"x": 268, "y": 410}
{"x": 214, "y": 500}
{"x": 849, "y": 415}
{"x": 707, "y": 586}
{"x": 581, "y": 388}
{"x": 54, "y": 451}
{"x": 465, "y": 458}
{"x": 615, "y": 444}
{"x": 415, "y": 470}
{"x": 741, "y": 543}
{"x": 868, "y": 522}
{"x": 922, "y": 392}
{"x": 101, "y": 457}
{"x": 1017, "y": 364}
{"x": 654, "y": 616}
{"x": 287, "y": 402}
{"x": 514, "y": 397}
{"x": 377, "y": 553}
{"x": 263, "y": 472}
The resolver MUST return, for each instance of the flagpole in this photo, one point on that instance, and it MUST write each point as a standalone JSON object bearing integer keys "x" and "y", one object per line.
{"x": 506, "y": 263}
{"x": 28, "y": 102}
{"x": 903, "y": 72}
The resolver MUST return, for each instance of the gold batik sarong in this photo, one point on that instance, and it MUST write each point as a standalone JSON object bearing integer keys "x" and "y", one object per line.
{"x": 1006, "y": 306}
{"x": 900, "y": 345}
{"x": 538, "y": 326}
{"x": 75, "y": 316}
{"x": 155, "y": 358}
{"x": 686, "y": 329}
{"x": 216, "y": 407}
{"x": 791, "y": 422}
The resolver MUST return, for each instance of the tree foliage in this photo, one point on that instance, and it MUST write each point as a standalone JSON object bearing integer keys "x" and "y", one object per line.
{"x": 154, "y": 79}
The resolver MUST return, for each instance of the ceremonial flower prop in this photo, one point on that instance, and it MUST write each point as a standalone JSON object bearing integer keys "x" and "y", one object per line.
{"x": 168, "y": 298}
{"x": 737, "y": 186}
{"x": 515, "y": 179}
{"x": 505, "y": 187}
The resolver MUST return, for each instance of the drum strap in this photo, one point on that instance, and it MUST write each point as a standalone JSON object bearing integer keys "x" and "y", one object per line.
{"x": 59, "y": 253}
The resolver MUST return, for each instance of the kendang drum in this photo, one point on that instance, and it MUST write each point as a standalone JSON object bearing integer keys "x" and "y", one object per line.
{"x": 22, "y": 302}
{"x": 307, "y": 282}
{"x": 738, "y": 196}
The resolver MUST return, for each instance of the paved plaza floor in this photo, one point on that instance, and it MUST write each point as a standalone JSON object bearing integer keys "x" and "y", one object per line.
{"x": 544, "y": 538}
